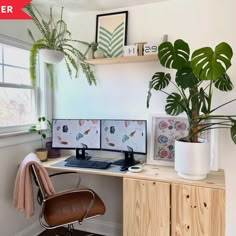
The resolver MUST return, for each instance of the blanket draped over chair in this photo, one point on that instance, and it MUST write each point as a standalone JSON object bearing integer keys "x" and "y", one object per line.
{"x": 23, "y": 190}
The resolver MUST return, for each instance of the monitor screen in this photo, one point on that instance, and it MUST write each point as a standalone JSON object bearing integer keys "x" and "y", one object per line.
{"x": 124, "y": 135}
{"x": 76, "y": 133}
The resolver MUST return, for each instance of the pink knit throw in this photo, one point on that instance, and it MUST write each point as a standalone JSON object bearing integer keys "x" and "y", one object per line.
{"x": 23, "y": 192}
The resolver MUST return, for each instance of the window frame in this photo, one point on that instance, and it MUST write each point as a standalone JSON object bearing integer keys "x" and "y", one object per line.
{"x": 43, "y": 99}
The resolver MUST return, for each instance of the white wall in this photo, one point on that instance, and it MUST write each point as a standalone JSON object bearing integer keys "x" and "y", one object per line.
{"x": 17, "y": 29}
{"x": 122, "y": 89}
{"x": 11, "y": 221}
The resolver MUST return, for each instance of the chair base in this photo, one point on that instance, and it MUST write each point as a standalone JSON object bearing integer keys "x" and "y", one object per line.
{"x": 62, "y": 232}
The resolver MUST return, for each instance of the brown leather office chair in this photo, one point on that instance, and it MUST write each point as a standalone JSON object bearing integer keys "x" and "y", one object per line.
{"x": 67, "y": 207}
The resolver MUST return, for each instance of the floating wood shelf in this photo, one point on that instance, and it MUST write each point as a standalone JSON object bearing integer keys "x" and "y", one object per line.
{"x": 120, "y": 60}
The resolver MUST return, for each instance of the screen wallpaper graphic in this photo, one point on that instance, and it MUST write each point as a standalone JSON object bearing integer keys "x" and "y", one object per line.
{"x": 79, "y": 133}
{"x": 124, "y": 135}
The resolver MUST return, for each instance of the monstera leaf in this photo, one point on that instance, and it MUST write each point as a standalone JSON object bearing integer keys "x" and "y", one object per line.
{"x": 185, "y": 78}
{"x": 208, "y": 64}
{"x": 224, "y": 83}
{"x": 233, "y": 131}
{"x": 174, "y": 104}
{"x": 174, "y": 56}
{"x": 160, "y": 80}
{"x": 204, "y": 101}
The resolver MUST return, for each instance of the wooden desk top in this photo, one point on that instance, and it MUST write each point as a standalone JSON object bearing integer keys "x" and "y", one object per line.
{"x": 168, "y": 174}
{"x": 52, "y": 164}
{"x": 215, "y": 179}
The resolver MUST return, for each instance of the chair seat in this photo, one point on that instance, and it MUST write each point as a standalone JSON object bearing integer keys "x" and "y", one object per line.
{"x": 67, "y": 207}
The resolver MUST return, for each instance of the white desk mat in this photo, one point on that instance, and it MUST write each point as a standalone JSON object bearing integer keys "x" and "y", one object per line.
{"x": 111, "y": 168}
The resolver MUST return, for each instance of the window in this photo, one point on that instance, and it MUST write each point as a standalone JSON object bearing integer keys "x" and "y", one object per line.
{"x": 17, "y": 96}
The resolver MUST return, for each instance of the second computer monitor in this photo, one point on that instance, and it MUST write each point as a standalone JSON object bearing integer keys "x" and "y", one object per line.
{"x": 124, "y": 135}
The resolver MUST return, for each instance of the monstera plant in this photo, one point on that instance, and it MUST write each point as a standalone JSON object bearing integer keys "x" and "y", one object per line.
{"x": 197, "y": 76}
{"x": 56, "y": 38}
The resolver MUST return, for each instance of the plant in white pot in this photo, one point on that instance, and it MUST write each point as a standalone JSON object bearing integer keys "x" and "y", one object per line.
{"x": 197, "y": 76}
{"x": 55, "y": 44}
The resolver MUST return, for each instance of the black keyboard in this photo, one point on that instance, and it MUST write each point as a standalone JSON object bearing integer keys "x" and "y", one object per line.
{"x": 88, "y": 164}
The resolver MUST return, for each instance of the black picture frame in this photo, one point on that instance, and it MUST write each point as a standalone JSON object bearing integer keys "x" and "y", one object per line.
{"x": 111, "y": 29}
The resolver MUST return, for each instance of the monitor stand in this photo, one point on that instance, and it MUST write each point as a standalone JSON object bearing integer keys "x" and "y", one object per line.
{"x": 128, "y": 161}
{"x": 81, "y": 155}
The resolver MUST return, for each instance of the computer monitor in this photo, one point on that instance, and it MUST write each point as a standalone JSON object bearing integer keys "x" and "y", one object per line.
{"x": 128, "y": 136}
{"x": 79, "y": 134}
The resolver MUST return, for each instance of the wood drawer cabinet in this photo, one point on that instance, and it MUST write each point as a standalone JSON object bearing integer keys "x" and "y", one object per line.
{"x": 197, "y": 211}
{"x": 146, "y": 208}
{"x": 156, "y": 202}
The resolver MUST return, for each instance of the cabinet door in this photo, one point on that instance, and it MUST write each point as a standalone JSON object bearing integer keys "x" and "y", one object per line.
{"x": 197, "y": 211}
{"x": 146, "y": 208}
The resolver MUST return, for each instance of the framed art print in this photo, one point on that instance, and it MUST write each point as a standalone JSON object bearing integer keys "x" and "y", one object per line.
{"x": 164, "y": 130}
{"x": 111, "y": 33}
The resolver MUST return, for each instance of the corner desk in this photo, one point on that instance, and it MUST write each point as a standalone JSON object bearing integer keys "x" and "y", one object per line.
{"x": 157, "y": 202}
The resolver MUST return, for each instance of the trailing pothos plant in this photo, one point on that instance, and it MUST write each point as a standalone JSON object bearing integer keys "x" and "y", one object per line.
{"x": 56, "y": 36}
{"x": 197, "y": 76}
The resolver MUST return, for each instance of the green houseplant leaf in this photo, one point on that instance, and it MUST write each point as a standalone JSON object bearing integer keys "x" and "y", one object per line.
{"x": 174, "y": 56}
{"x": 174, "y": 104}
{"x": 224, "y": 83}
{"x": 185, "y": 78}
{"x": 33, "y": 58}
{"x": 160, "y": 80}
{"x": 208, "y": 64}
{"x": 233, "y": 131}
{"x": 203, "y": 101}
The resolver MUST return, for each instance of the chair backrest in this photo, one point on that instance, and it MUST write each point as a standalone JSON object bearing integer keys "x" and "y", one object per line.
{"x": 77, "y": 204}
{"x": 37, "y": 179}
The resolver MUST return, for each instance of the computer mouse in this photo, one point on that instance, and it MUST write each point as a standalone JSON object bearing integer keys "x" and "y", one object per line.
{"x": 135, "y": 169}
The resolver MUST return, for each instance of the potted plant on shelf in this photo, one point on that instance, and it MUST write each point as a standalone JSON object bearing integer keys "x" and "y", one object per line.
{"x": 56, "y": 44}
{"x": 196, "y": 78}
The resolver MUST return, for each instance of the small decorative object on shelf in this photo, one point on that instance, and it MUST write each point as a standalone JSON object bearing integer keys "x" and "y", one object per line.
{"x": 140, "y": 48}
{"x": 150, "y": 49}
{"x": 99, "y": 54}
{"x": 130, "y": 56}
{"x": 130, "y": 50}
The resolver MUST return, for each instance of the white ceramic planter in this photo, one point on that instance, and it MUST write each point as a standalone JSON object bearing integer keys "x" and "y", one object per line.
{"x": 51, "y": 56}
{"x": 192, "y": 160}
